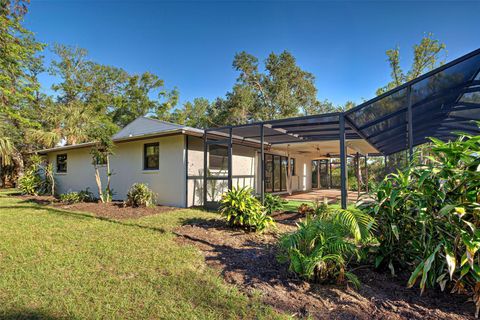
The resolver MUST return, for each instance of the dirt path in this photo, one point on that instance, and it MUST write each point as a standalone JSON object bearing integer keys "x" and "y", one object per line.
{"x": 249, "y": 261}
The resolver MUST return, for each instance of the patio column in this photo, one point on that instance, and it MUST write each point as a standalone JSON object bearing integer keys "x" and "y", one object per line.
{"x": 230, "y": 156}
{"x": 366, "y": 172}
{"x": 205, "y": 165}
{"x": 262, "y": 165}
{"x": 357, "y": 158}
{"x": 410, "y": 123}
{"x": 343, "y": 162}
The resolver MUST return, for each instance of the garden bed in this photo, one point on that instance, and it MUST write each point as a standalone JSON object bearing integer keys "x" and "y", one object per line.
{"x": 248, "y": 260}
{"x": 112, "y": 210}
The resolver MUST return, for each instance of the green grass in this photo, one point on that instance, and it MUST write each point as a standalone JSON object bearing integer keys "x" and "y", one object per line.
{"x": 61, "y": 264}
{"x": 292, "y": 205}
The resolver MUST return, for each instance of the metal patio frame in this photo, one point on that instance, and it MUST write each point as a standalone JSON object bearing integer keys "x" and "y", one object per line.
{"x": 436, "y": 104}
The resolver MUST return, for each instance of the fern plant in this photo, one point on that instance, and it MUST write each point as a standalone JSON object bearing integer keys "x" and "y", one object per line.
{"x": 241, "y": 209}
{"x": 320, "y": 249}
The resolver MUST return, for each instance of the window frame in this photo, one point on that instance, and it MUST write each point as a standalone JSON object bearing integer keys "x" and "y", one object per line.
{"x": 65, "y": 163}
{"x": 145, "y": 147}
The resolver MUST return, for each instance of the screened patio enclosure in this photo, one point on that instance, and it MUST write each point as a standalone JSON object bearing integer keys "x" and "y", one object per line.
{"x": 436, "y": 104}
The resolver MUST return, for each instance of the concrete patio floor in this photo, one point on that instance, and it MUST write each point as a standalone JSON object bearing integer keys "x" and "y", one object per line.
{"x": 333, "y": 195}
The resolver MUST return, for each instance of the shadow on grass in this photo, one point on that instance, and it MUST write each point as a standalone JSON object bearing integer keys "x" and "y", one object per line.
{"x": 80, "y": 215}
{"x": 29, "y": 314}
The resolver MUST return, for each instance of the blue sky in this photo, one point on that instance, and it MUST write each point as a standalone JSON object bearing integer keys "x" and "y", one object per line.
{"x": 191, "y": 44}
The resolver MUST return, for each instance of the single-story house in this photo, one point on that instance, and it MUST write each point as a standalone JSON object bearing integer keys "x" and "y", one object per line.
{"x": 170, "y": 159}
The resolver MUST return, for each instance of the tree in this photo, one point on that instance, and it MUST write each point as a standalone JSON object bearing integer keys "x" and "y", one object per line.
{"x": 90, "y": 95}
{"x": 282, "y": 91}
{"x": 135, "y": 100}
{"x": 193, "y": 114}
{"x": 101, "y": 152}
{"x": 19, "y": 62}
{"x": 427, "y": 55}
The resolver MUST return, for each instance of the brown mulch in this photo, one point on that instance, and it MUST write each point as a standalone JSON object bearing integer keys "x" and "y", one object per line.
{"x": 112, "y": 210}
{"x": 249, "y": 261}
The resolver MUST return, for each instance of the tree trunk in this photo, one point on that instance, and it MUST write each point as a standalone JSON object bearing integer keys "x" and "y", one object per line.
{"x": 19, "y": 170}
{"x": 107, "y": 190}
{"x": 98, "y": 180}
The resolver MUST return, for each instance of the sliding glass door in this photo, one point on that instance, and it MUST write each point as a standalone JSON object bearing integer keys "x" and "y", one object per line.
{"x": 276, "y": 168}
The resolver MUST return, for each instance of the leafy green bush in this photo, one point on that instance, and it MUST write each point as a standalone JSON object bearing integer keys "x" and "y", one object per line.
{"x": 31, "y": 182}
{"x": 76, "y": 197}
{"x": 37, "y": 178}
{"x": 273, "y": 203}
{"x": 241, "y": 209}
{"x": 429, "y": 218}
{"x": 140, "y": 195}
{"x": 319, "y": 250}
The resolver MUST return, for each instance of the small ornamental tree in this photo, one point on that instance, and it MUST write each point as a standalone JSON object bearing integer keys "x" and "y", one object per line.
{"x": 101, "y": 152}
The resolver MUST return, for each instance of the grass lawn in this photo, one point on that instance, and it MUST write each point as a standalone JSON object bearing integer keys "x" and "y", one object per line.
{"x": 292, "y": 205}
{"x": 60, "y": 264}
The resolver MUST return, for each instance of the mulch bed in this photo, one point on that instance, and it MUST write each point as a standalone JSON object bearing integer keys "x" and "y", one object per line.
{"x": 249, "y": 261}
{"x": 112, "y": 210}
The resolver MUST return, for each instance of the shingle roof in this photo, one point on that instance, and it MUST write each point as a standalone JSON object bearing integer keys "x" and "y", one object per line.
{"x": 143, "y": 126}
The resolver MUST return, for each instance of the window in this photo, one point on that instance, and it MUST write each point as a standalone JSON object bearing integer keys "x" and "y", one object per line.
{"x": 61, "y": 163}
{"x": 151, "y": 156}
{"x": 218, "y": 159}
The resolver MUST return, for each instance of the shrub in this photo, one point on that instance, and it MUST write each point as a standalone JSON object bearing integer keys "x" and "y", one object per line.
{"x": 319, "y": 250}
{"x": 37, "y": 178}
{"x": 320, "y": 208}
{"x": 273, "y": 203}
{"x": 429, "y": 218}
{"x": 31, "y": 182}
{"x": 76, "y": 197}
{"x": 140, "y": 195}
{"x": 241, "y": 209}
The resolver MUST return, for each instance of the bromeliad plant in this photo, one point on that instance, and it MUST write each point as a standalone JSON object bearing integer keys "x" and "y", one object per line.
{"x": 429, "y": 218}
{"x": 241, "y": 209}
{"x": 322, "y": 246}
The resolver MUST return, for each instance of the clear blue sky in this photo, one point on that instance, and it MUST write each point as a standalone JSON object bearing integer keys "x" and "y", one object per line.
{"x": 191, "y": 44}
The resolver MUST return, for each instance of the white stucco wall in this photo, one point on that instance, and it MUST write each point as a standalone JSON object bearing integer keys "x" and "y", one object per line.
{"x": 127, "y": 167}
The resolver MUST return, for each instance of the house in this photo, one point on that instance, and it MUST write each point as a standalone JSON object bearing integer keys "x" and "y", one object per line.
{"x": 170, "y": 159}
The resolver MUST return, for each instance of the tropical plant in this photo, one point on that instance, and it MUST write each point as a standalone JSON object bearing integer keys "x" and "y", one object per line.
{"x": 305, "y": 209}
{"x": 273, "y": 203}
{"x": 140, "y": 195}
{"x": 31, "y": 182}
{"x": 241, "y": 209}
{"x": 76, "y": 197}
{"x": 37, "y": 178}
{"x": 321, "y": 248}
{"x": 429, "y": 218}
